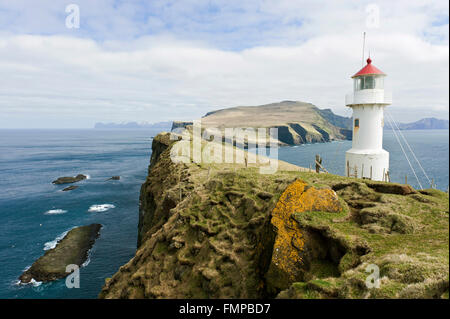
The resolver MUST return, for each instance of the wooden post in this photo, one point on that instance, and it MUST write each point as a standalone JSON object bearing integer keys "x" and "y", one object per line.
{"x": 319, "y": 166}
{"x": 348, "y": 169}
{"x": 318, "y": 162}
{"x": 356, "y": 171}
{"x": 371, "y": 172}
{"x": 432, "y": 183}
{"x": 384, "y": 174}
{"x": 388, "y": 177}
{"x": 406, "y": 179}
{"x": 362, "y": 170}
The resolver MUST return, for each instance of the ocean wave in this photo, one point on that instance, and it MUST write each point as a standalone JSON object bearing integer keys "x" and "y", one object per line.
{"x": 52, "y": 244}
{"x": 35, "y": 283}
{"x": 55, "y": 212}
{"x": 88, "y": 260}
{"x": 32, "y": 282}
{"x": 100, "y": 208}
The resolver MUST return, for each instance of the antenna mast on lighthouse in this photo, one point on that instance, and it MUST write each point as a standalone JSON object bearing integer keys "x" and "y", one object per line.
{"x": 364, "y": 43}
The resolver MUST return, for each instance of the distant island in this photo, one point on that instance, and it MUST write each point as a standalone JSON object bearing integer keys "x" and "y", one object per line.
{"x": 163, "y": 126}
{"x": 430, "y": 123}
{"x": 293, "y": 119}
{"x": 297, "y": 122}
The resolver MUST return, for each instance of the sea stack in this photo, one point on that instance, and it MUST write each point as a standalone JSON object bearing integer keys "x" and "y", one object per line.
{"x": 367, "y": 158}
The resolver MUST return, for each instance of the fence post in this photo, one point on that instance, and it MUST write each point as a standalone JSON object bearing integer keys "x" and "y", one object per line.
{"x": 318, "y": 162}
{"x": 348, "y": 169}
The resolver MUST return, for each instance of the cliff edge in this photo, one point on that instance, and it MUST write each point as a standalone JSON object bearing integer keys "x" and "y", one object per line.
{"x": 227, "y": 231}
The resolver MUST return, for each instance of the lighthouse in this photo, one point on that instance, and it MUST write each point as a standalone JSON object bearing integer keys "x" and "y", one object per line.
{"x": 367, "y": 158}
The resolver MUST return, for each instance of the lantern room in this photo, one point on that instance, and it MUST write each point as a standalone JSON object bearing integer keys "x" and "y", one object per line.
{"x": 368, "y": 78}
{"x": 368, "y": 87}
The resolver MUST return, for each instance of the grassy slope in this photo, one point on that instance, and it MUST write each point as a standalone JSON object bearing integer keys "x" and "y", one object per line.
{"x": 413, "y": 262}
{"x": 413, "y": 259}
{"x": 407, "y": 236}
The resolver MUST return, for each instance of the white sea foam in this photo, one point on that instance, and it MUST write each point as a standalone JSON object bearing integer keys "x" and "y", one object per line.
{"x": 100, "y": 208}
{"x": 52, "y": 244}
{"x": 87, "y": 176}
{"x": 32, "y": 282}
{"x": 35, "y": 283}
{"x": 55, "y": 212}
{"x": 88, "y": 260}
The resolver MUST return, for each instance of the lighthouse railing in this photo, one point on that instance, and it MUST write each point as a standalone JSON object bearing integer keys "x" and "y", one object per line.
{"x": 370, "y": 96}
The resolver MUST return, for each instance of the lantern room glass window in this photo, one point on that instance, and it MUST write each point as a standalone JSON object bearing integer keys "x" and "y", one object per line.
{"x": 369, "y": 82}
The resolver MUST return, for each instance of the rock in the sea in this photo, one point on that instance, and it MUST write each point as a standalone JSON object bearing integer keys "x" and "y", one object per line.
{"x": 68, "y": 179}
{"x": 70, "y": 188}
{"x": 72, "y": 249}
{"x": 114, "y": 178}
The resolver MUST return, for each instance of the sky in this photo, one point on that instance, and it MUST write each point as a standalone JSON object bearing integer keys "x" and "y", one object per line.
{"x": 160, "y": 60}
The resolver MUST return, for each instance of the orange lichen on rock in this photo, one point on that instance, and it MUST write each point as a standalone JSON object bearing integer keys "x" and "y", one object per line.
{"x": 290, "y": 242}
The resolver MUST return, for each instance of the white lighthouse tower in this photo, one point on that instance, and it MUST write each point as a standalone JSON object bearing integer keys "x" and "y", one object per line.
{"x": 367, "y": 158}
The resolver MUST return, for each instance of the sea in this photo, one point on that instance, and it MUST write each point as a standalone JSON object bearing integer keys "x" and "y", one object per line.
{"x": 35, "y": 214}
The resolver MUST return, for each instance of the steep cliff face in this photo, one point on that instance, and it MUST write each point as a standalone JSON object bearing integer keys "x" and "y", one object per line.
{"x": 201, "y": 234}
{"x": 226, "y": 231}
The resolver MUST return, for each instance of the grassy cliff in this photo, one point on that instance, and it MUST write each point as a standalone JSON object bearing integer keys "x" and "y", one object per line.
{"x": 227, "y": 231}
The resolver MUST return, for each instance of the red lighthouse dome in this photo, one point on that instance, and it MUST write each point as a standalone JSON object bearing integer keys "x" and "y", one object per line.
{"x": 369, "y": 69}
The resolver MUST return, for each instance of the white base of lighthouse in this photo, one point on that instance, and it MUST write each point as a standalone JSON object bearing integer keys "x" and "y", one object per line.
{"x": 372, "y": 164}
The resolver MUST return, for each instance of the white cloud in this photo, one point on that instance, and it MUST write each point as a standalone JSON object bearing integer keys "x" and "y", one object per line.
{"x": 65, "y": 81}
